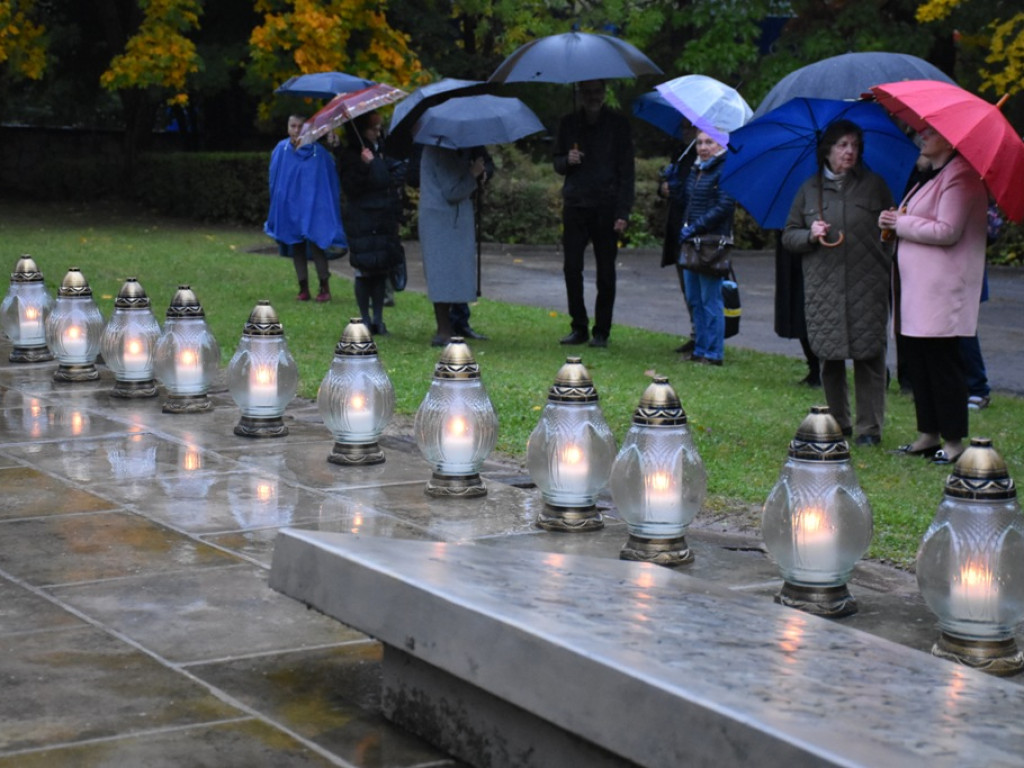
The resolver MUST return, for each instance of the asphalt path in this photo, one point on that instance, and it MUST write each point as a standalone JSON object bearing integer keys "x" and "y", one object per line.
{"x": 648, "y": 296}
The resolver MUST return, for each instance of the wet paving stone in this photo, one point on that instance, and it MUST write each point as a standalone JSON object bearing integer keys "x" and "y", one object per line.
{"x": 30, "y": 493}
{"x": 22, "y": 611}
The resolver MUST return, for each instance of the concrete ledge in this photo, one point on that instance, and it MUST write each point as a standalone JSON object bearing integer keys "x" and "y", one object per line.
{"x": 650, "y": 665}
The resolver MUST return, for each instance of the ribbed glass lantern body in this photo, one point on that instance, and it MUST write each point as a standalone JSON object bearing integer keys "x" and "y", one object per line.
{"x": 262, "y": 376}
{"x": 356, "y": 399}
{"x": 570, "y": 453}
{"x": 129, "y": 344}
{"x": 658, "y": 481}
{"x": 970, "y": 567}
{"x": 187, "y": 356}
{"x": 24, "y": 311}
{"x": 74, "y": 329}
{"x": 817, "y": 522}
{"x": 456, "y": 427}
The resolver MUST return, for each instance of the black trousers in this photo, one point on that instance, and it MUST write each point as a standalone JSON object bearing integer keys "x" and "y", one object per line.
{"x": 596, "y": 226}
{"x": 939, "y": 380}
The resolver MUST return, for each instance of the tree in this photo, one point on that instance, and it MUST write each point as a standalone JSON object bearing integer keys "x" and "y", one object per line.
{"x": 22, "y": 40}
{"x": 304, "y": 36}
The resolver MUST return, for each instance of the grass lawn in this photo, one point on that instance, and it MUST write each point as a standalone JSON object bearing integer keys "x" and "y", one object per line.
{"x": 743, "y": 415}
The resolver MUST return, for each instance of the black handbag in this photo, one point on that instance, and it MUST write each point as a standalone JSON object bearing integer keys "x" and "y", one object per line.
{"x": 731, "y": 305}
{"x": 398, "y": 274}
{"x": 707, "y": 255}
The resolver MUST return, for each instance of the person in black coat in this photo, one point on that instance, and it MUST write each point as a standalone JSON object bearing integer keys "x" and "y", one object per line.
{"x": 371, "y": 211}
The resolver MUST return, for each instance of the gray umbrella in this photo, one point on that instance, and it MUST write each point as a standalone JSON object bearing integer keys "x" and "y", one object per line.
{"x": 847, "y": 77}
{"x": 573, "y": 57}
{"x": 475, "y": 121}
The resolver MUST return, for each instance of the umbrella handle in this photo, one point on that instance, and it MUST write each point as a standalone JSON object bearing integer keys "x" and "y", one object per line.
{"x": 827, "y": 244}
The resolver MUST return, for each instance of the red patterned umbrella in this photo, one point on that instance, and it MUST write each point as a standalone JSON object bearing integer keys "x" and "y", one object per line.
{"x": 346, "y": 106}
{"x": 975, "y": 127}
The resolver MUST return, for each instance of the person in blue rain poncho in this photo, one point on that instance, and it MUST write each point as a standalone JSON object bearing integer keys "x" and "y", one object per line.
{"x": 305, "y": 207}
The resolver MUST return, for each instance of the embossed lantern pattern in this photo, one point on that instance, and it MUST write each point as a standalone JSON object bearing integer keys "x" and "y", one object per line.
{"x": 356, "y": 398}
{"x": 570, "y": 452}
{"x": 456, "y": 426}
{"x": 262, "y": 375}
{"x": 187, "y": 355}
{"x": 658, "y": 482}
{"x": 817, "y": 522}
{"x": 74, "y": 329}
{"x": 129, "y": 342}
{"x": 970, "y": 565}
{"x": 23, "y": 313}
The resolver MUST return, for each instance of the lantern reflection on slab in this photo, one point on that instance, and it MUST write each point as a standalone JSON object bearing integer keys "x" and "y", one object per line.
{"x": 262, "y": 375}
{"x": 570, "y": 452}
{"x": 128, "y": 342}
{"x": 23, "y": 313}
{"x": 356, "y": 398}
{"x": 817, "y": 522}
{"x": 187, "y": 355}
{"x": 74, "y": 329}
{"x": 658, "y": 482}
{"x": 456, "y": 427}
{"x": 970, "y": 565}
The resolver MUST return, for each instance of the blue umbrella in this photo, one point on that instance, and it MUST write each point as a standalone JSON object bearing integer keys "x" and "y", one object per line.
{"x": 408, "y": 112}
{"x": 771, "y": 156}
{"x": 652, "y": 108}
{"x": 323, "y": 85}
{"x": 848, "y": 76}
{"x": 476, "y": 121}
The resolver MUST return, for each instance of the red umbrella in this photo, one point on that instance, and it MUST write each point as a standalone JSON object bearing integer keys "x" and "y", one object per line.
{"x": 976, "y": 128}
{"x": 346, "y": 106}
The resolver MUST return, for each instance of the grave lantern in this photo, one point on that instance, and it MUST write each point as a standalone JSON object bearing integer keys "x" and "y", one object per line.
{"x": 817, "y": 522}
{"x": 128, "y": 342}
{"x": 570, "y": 452}
{"x": 187, "y": 355}
{"x": 970, "y": 565}
{"x": 74, "y": 329}
{"x": 658, "y": 482}
{"x": 456, "y": 426}
{"x": 24, "y": 311}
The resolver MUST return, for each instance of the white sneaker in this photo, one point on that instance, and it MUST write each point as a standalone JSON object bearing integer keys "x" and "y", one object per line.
{"x": 977, "y": 402}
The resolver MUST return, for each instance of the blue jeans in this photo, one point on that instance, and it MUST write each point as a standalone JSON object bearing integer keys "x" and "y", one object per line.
{"x": 704, "y": 295}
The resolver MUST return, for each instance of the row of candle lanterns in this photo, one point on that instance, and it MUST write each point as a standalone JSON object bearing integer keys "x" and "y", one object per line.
{"x": 816, "y": 522}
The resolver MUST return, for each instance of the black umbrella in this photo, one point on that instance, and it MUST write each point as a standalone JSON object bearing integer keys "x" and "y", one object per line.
{"x": 411, "y": 109}
{"x": 571, "y": 58}
{"x": 848, "y": 76}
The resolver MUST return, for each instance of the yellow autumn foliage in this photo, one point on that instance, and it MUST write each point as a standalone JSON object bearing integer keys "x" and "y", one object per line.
{"x": 22, "y": 41}
{"x": 159, "y": 55}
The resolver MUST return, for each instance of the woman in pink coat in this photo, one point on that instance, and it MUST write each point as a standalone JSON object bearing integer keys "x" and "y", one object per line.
{"x": 940, "y": 263}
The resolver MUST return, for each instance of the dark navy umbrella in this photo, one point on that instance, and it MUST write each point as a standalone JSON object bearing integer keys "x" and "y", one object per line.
{"x": 848, "y": 76}
{"x": 408, "y": 112}
{"x": 652, "y": 108}
{"x": 476, "y": 121}
{"x": 571, "y": 58}
{"x": 323, "y": 85}
{"x": 771, "y": 156}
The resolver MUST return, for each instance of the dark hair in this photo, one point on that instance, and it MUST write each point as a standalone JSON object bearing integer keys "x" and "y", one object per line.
{"x": 833, "y": 133}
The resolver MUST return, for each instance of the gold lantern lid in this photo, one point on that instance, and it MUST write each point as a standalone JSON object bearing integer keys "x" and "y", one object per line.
{"x": 74, "y": 285}
{"x": 263, "y": 321}
{"x": 185, "y": 304}
{"x": 457, "y": 362}
{"x": 980, "y": 474}
{"x": 356, "y": 340}
{"x": 131, "y": 296}
{"x": 659, "y": 406}
{"x": 819, "y": 438}
{"x": 26, "y": 271}
{"x": 573, "y": 384}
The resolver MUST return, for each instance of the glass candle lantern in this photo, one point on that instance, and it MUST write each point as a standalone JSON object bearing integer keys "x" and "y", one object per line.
{"x": 456, "y": 426}
{"x": 570, "y": 452}
{"x": 262, "y": 375}
{"x": 187, "y": 355}
{"x": 970, "y": 565}
{"x": 817, "y": 522}
{"x": 74, "y": 329}
{"x": 356, "y": 398}
{"x": 658, "y": 482}
{"x": 129, "y": 341}
{"x": 23, "y": 313}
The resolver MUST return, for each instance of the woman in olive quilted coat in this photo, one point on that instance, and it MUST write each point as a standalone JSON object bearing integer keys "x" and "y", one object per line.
{"x": 833, "y": 222}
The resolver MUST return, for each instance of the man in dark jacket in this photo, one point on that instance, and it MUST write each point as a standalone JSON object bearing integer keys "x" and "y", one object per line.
{"x": 594, "y": 151}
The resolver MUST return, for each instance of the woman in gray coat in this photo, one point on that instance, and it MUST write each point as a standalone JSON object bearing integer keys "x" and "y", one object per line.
{"x": 448, "y": 178}
{"x": 834, "y": 223}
